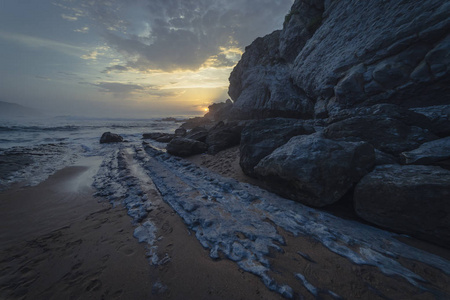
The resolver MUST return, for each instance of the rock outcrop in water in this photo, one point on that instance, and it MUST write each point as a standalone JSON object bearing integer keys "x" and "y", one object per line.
{"x": 372, "y": 73}
{"x": 109, "y": 137}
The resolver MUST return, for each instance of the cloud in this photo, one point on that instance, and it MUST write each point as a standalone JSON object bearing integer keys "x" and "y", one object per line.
{"x": 35, "y": 42}
{"x": 118, "y": 88}
{"x": 125, "y": 90}
{"x": 84, "y": 29}
{"x": 42, "y": 77}
{"x": 91, "y": 55}
{"x": 69, "y": 18}
{"x": 172, "y": 35}
{"x": 115, "y": 68}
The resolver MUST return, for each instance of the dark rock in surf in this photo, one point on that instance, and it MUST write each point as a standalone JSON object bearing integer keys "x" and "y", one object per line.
{"x": 109, "y": 137}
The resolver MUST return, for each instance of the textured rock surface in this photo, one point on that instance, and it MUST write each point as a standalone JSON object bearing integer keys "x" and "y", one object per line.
{"x": 109, "y": 137}
{"x": 439, "y": 116}
{"x": 185, "y": 147}
{"x": 223, "y": 136}
{"x": 409, "y": 199}
{"x": 261, "y": 86}
{"x": 180, "y": 132}
{"x": 355, "y": 53}
{"x": 385, "y": 134}
{"x": 198, "y": 134}
{"x": 259, "y": 139}
{"x": 314, "y": 170}
{"x": 159, "y": 136}
{"x": 432, "y": 153}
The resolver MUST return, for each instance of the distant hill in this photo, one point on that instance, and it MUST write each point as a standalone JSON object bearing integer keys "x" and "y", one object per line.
{"x": 13, "y": 110}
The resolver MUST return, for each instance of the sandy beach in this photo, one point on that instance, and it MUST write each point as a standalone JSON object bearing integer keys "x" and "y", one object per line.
{"x": 60, "y": 242}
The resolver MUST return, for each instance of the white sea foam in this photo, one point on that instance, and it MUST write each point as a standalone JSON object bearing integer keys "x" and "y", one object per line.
{"x": 240, "y": 221}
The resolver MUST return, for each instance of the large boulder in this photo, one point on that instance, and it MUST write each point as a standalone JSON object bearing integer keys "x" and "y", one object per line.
{"x": 198, "y": 133}
{"x": 185, "y": 147}
{"x": 409, "y": 199}
{"x": 223, "y": 136}
{"x": 109, "y": 137}
{"x": 432, "y": 153}
{"x": 260, "y": 138}
{"x": 439, "y": 116}
{"x": 196, "y": 122}
{"x": 385, "y": 132}
{"x": 333, "y": 55}
{"x": 158, "y": 136}
{"x": 314, "y": 170}
{"x": 180, "y": 132}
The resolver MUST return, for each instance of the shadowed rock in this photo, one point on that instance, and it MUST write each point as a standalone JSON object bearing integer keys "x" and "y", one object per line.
{"x": 314, "y": 170}
{"x": 185, "y": 147}
{"x": 409, "y": 199}
{"x": 259, "y": 139}
{"x": 385, "y": 134}
{"x": 432, "y": 153}
{"x": 109, "y": 137}
{"x": 198, "y": 133}
{"x": 223, "y": 136}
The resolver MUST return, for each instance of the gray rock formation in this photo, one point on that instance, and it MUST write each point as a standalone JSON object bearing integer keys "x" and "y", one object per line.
{"x": 432, "y": 153}
{"x": 159, "y": 136}
{"x": 346, "y": 54}
{"x": 314, "y": 170}
{"x": 385, "y": 134}
{"x": 109, "y": 137}
{"x": 376, "y": 75}
{"x": 439, "y": 116}
{"x": 219, "y": 111}
{"x": 198, "y": 133}
{"x": 409, "y": 199}
{"x": 261, "y": 86}
{"x": 223, "y": 136}
{"x": 259, "y": 139}
{"x": 185, "y": 147}
{"x": 180, "y": 132}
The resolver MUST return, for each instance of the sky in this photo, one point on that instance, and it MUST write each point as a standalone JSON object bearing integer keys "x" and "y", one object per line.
{"x": 126, "y": 58}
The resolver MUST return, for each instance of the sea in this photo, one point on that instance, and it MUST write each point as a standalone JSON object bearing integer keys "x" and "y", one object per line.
{"x": 33, "y": 149}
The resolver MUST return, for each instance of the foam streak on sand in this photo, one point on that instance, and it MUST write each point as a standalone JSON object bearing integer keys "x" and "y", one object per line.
{"x": 240, "y": 221}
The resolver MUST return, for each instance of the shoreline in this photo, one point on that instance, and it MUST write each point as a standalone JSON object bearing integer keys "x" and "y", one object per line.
{"x": 81, "y": 247}
{"x": 58, "y": 241}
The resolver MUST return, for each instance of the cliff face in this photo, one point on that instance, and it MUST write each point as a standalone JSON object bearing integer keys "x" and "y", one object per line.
{"x": 371, "y": 82}
{"x": 333, "y": 55}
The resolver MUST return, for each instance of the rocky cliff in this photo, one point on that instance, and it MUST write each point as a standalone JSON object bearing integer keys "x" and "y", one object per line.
{"x": 370, "y": 81}
{"x": 332, "y": 55}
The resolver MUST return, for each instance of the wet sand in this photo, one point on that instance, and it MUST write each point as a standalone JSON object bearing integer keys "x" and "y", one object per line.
{"x": 57, "y": 241}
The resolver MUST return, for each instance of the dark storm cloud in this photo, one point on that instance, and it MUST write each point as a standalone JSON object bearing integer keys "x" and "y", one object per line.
{"x": 181, "y": 34}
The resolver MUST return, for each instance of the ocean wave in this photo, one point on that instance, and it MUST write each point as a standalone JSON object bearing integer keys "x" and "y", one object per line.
{"x": 39, "y": 128}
